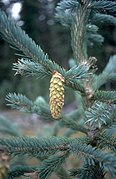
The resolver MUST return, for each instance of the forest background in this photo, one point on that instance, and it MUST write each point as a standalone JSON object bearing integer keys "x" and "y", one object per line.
{"x": 37, "y": 18}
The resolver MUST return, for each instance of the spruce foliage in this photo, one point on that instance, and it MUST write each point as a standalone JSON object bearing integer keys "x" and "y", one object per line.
{"x": 95, "y": 115}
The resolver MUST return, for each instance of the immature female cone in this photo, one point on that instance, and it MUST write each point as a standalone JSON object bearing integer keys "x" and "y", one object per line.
{"x": 56, "y": 94}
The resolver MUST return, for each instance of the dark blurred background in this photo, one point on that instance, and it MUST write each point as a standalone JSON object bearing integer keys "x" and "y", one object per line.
{"x": 37, "y": 19}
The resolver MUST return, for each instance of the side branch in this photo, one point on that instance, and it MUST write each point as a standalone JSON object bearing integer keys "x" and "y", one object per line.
{"x": 21, "y": 42}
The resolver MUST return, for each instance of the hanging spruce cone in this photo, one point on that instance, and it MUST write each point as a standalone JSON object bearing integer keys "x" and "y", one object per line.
{"x": 56, "y": 94}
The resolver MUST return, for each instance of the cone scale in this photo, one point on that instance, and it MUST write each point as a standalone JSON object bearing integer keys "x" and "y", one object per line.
{"x": 56, "y": 94}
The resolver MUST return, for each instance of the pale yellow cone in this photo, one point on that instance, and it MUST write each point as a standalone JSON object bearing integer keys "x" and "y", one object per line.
{"x": 56, "y": 94}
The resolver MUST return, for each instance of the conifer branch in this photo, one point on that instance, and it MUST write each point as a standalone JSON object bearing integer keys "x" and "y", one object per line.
{"x": 103, "y": 18}
{"x": 96, "y": 107}
{"x": 88, "y": 172}
{"x": 80, "y": 71}
{"x": 19, "y": 101}
{"x": 111, "y": 65}
{"x": 99, "y": 114}
{"x": 28, "y": 68}
{"x": 35, "y": 147}
{"x": 102, "y": 79}
{"x": 63, "y": 174}
{"x": 108, "y": 74}
{"x": 64, "y": 5}
{"x": 99, "y": 80}
{"x": 111, "y": 129}
{"x": 51, "y": 165}
{"x": 104, "y": 6}
{"x": 17, "y": 37}
{"x": 73, "y": 125}
{"x": 22, "y": 103}
{"x": 107, "y": 141}
{"x": 41, "y": 148}
{"x": 65, "y": 11}
{"x": 102, "y": 11}
{"x": 7, "y": 128}
{"x": 18, "y": 171}
{"x": 79, "y": 45}
{"x": 112, "y": 120}
{"x": 106, "y": 160}
{"x": 107, "y": 138}
{"x": 92, "y": 36}
{"x": 75, "y": 85}
{"x": 39, "y": 106}
{"x": 72, "y": 76}
{"x": 105, "y": 96}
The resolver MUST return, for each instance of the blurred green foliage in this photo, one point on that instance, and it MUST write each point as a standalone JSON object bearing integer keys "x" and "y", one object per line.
{"x": 37, "y": 19}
